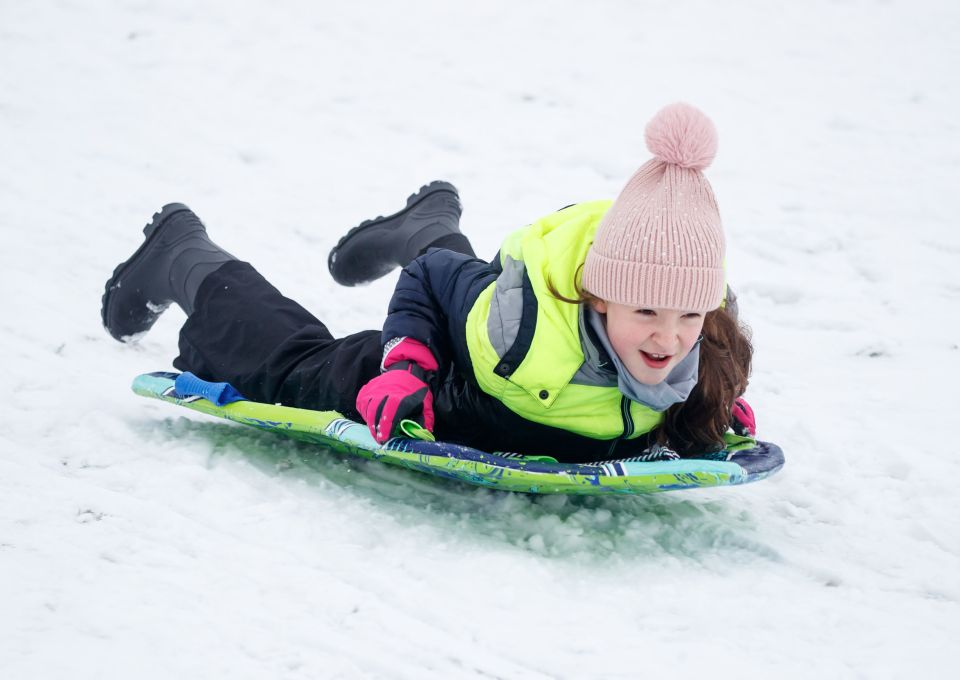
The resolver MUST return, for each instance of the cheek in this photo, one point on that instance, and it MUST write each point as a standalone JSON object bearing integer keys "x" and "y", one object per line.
{"x": 688, "y": 337}
{"x": 626, "y": 337}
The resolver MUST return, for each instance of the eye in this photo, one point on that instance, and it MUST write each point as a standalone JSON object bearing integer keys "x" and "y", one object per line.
{"x": 645, "y": 312}
{"x": 692, "y": 315}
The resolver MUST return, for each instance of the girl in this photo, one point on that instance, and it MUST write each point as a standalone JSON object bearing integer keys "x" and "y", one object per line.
{"x": 601, "y": 331}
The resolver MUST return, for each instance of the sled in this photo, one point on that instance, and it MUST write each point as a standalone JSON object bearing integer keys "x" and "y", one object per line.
{"x": 743, "y": 461}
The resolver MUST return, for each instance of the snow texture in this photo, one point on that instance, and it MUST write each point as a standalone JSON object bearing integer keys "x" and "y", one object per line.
{"x": 140, "y": 542}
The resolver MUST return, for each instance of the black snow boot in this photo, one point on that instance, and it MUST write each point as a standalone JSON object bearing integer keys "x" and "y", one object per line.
{"x": 376, "y": 247}
{"x": 169, "y": 266}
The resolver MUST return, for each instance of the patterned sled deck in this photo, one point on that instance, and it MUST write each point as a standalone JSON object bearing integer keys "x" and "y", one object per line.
{"x": 747, "y": 461}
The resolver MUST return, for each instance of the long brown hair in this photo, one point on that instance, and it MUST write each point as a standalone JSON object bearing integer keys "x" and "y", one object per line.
{"x": 697, "y": 425}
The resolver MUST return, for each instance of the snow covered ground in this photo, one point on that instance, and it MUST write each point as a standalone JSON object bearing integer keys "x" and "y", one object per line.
{"x": 137, "y": 542}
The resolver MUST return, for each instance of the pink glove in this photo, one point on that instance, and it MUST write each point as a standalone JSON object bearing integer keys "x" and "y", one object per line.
{"x": 401, "y": 391}
{"x": 744, "y": 422}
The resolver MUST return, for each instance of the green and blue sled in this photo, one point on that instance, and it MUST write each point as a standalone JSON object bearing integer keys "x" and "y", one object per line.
{"x": 744, "y": 460}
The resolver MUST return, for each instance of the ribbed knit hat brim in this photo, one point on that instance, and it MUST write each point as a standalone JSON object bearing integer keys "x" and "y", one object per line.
{"x": 643, "y": 285}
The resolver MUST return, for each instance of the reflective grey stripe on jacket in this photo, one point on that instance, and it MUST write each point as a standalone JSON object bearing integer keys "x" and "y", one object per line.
{"x": 506, "y": 307}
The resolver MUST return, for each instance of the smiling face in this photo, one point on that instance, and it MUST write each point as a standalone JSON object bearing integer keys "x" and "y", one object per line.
{"x": 650, "y": 342}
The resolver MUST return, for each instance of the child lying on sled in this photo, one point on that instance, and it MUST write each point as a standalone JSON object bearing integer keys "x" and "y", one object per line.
{"x": 597, "y": 332}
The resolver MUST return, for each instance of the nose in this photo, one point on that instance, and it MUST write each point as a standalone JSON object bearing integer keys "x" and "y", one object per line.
{"x": 666, "y": 333}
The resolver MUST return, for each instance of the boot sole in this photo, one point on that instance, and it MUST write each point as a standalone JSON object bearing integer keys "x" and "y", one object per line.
{"x": 412, "y": 201}
{"x": 149, "y": 231}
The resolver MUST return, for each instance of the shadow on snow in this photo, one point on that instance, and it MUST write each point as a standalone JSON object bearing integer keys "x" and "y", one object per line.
{"x": 692, "y": 526}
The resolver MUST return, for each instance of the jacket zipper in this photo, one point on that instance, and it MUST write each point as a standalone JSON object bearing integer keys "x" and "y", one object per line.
{"x": 628, "y": 426}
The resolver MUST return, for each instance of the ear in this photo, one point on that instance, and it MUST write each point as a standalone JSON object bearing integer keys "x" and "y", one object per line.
{"x": 599, "y": 305}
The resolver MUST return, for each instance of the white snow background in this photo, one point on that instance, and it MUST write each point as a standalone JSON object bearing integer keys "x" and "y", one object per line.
{"x": 140, "y": 541}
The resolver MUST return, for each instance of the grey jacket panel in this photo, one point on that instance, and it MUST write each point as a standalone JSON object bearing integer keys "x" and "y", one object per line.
{"x": 506, "y": 307}
{"x": 597, "y": 369}
{"x": 731, "y": 303}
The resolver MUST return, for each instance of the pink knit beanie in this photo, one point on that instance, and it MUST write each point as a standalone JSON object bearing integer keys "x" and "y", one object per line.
{"x": 661, "y": 243}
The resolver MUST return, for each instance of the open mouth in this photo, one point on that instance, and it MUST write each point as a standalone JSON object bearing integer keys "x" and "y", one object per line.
{"x": 655, "y": 360}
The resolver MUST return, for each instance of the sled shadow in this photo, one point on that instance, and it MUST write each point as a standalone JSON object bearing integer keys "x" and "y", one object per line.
{"x": 585, "y": 529}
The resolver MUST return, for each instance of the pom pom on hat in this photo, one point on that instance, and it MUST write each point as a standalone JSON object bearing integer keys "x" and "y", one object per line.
{"x": 682, "y": 135}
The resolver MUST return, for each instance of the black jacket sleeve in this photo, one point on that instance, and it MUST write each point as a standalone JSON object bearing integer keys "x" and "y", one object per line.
{"x": 431, "y": 302}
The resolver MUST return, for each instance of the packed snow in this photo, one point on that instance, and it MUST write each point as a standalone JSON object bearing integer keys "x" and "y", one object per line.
{"x": 142, "y": 541}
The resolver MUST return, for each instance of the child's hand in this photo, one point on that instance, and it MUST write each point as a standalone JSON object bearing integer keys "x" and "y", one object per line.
{"x": 743, "y": 422}
{"x": 391, "y": 397}
{"x": 401, "y": 391}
